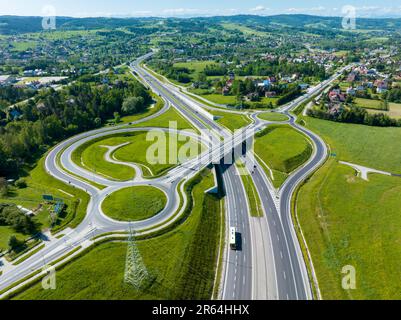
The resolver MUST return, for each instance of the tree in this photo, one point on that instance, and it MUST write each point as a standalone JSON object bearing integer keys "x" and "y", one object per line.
{"x": 21, "y": 183}
{"x": 3, "y": 187}
{"x": 13, "y": 243}
{"x": 117, "y": 117}
{"x": 133, "y": 105}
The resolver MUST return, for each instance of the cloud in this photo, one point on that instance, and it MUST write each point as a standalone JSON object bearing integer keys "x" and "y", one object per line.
{"x": 259, "y": 9}
{"x": 197, "y": 12}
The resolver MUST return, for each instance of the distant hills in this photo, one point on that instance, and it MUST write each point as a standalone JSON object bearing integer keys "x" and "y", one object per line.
{"x": 17, "y": 24}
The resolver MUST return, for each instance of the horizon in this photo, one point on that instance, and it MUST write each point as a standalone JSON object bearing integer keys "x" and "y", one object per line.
{"x": 194, "y": 17}
{"x": 191, "y": 8}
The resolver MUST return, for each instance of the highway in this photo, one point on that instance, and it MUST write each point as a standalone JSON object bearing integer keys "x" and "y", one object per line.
{"x": 269, "y": 263}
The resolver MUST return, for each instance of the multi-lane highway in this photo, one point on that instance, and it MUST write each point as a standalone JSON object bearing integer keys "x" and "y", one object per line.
{"x": 269, "y": 264}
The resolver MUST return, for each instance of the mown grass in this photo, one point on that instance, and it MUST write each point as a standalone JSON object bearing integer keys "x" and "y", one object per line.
{"x": 134, "y": 203}
{"x": 140, "y": 151}
{"x": 349, "y": 221}
{"x": 255, "y": 206}
{"x": 283, "y": 149}
{"x": 369, "y": 104}
{"x": 368, "y": 146}
{"x": 182, "y": 262}
{"x": 195, "y": 67}
{"x": 271, "y": 116}
{"x": 163, "y": 121}
{"x": 92, "y": 154}
{"x": 231, "y": 121}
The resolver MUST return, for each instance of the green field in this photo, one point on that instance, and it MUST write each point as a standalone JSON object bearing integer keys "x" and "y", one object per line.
{"x": 231, "y": 121}
{"x": 182, "y": 262}
{"x": 163, "y": 121}
{"x": 134, "y": 203}
{"x": 369, "y": 104}
{"x": 271, "y": 116}
{"x": 195, "y": 67}
{"x": 349, "y": 221}
{"x": 368, "y": 146}
{"x": 220, "y": 99}
{"x": 92, "y": 154}
{"x": 283, "y": 149}
{"x": 393, "y": 112}
{"x": 162, "y": 160}
{"x": 244, "y": 29}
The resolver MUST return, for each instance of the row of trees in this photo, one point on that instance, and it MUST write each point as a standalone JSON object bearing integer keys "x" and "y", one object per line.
{"x": 56, "y": 115}
{"x": 393, "y": 95}
{"x": 356, "y": 115}
{"x": 275, "y": 67}
{"x": 10, "y": 95}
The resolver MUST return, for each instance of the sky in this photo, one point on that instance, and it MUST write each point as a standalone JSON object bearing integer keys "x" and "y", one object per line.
{"x": 191, "y": 8}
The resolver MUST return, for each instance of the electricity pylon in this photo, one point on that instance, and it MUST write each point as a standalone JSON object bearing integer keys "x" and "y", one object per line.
{"x": 136, "y": 273}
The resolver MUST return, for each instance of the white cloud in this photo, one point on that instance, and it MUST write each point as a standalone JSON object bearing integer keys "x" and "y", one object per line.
{"x": 197, "y": 12}
{"x": 259, "y": 9}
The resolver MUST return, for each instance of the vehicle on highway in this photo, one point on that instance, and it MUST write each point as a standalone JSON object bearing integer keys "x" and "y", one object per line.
{"x": 233, "y": 238}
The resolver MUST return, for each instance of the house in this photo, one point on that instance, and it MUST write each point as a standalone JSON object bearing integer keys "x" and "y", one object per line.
{"x": 336, "y": 97}
{"x": 270, "y": 94}
{"x": 4, "y": 80}
{"x": 304, "y": 86}
{"x": 253, "y": 96}
{"x": 226, "y": 91}
{"x": 352, "y": 76}
{"x": 351, "y": 91}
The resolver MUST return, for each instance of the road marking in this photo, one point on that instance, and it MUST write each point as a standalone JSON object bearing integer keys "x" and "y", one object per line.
{"x": 281, "y": 254}
{"x": 285, "y": 276}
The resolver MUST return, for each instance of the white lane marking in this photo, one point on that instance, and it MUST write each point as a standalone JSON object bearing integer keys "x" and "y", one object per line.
{"x": 243, "y": 280}
{"x": 284, "y": 275}
{"x": 278, "y": 238}
{"x": 281, "y": 254}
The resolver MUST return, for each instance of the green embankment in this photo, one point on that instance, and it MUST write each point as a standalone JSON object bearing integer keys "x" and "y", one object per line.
{"x": 182, "y": 262}
{"x": 163, "y": 121}
{"x": 349, "y": 221}
{"x": 92, "y": 154}
{"x": 231, "y": 121}
{"x": 283, "y": 150}
{"x": 271, "y": 116}
{"x": 134, "y": 203}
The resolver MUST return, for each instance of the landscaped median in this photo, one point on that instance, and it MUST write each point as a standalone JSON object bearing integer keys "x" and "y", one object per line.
{"x": 281, "y": 150}
{"x": 272, "y": 116}
{"x": 134, "y": 147}
{"x": 134, "y": 203}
